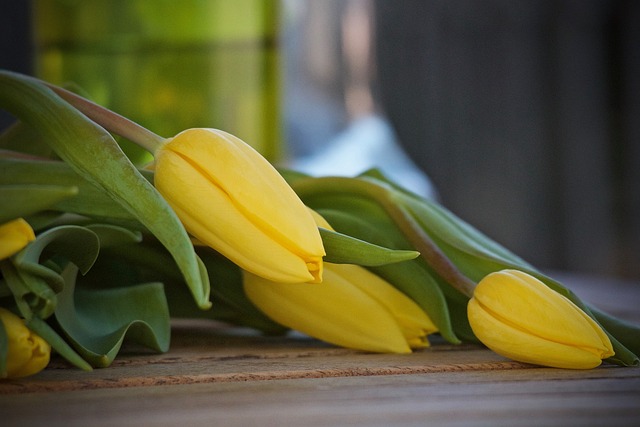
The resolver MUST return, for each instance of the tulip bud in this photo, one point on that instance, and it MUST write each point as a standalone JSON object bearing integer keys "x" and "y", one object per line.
{"x": 352, "y": 308}
{"x": 27, "y": 353}
{"x": 232, "y": 199}
{"x": 14, "y": 235}
{"x": 519, "y": 317}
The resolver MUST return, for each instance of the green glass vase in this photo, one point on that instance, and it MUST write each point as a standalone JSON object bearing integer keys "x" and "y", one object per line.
{"x": 169, "y": 65}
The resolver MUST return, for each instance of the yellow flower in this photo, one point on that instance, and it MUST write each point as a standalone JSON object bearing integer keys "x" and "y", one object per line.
{"x": 519, "y": 317}
{"x": 14, "y": 235}
{"x": 232, "y": 199}
{"x": 27, "y": 353}
{"x": 352, "y": 308}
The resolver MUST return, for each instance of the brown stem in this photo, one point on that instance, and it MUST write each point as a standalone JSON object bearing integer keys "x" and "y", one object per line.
{"x": 429, "y": 251}
{"x": 420, "y": 239}
{"x": 108, "y": 119}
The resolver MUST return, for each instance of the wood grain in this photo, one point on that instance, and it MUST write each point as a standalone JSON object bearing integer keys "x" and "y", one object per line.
{"x": 216, "y": 375}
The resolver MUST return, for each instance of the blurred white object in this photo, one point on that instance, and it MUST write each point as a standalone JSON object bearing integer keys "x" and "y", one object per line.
{"x": 329, "y": 79}
{"x": 368, "y": 142}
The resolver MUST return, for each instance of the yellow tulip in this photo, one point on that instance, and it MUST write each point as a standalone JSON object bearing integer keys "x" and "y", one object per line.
{"x": 519, "y": 317}
{"x": 232, "y": 199}
{"x": 14, "y": 235}
{"x": 351, "y": 308}
{"x": 27, "y": 353}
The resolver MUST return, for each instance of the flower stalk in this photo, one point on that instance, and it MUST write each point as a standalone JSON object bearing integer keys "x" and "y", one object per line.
{"x": 421, "y": 241}
{"x": 108, "y": 119}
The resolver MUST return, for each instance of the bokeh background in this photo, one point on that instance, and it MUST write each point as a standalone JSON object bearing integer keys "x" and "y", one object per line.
{"x": 521, "y": 117}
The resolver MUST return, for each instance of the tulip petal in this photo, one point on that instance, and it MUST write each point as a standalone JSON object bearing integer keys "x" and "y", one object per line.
{"x": 529, "y": 305}
{"x": 334, "y": 311}
{"x": 14, "y": 235}
{"x": 206, "y": 212}
{"x": 38, "y": 360}
{"x": 355, "y": 207}
{"x": 413, "y": 321}
{"x": 519, "y": 317}
{"x": 231, "y": 198}
{"x": 519, "y": 345}
{"x": 237, "y": 168}
{"x": 27, "y": 353}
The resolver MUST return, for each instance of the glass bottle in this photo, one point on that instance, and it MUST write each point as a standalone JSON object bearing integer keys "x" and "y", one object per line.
{"x": 169, "y": 65}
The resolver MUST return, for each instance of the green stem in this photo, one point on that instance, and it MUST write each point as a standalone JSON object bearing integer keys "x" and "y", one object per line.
{"x": 18, "y": 288}
{"x": 422, "y": 242}
{"x": 108, "y": 119}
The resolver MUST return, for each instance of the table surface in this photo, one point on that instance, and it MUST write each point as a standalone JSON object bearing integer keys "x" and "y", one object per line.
{"x": 219, "y": 376}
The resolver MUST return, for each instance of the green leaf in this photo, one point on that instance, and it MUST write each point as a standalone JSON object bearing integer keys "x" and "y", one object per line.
{"x": 447, "y": 227}
{"x": 111, "y": 235}
{"x": 151, "y": 262}
{"x": 25, "y": 139}
{"x": 410, "y": 277}
{"x": 32, "y": 295}
{"x": 19, "y": 201}
{"x": 67, "y": 243}
{"x": 462, "y": 253}
{"x": 352, "y": 211}
{"x": 33, "y": 274}
{"x": 43, "y": 220}
{"x": 90, "y": 199}
{"x": 344, "y": 249}
{"x": 97, "y": 321}
{"x": 95, "y": 155}
{"x": 228, "y": 291}
{"x": 476, "y": 255}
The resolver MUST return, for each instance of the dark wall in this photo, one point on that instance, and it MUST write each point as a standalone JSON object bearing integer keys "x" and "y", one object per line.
{"x": 526, "y": 116}
{"x": 15, "y": 42}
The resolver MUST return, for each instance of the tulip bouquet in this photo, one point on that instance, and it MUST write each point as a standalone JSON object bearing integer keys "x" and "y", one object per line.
{"x": 95, "y": 250}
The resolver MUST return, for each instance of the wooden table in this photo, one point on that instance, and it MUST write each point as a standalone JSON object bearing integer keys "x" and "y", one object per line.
{"x": 219, "y": 376}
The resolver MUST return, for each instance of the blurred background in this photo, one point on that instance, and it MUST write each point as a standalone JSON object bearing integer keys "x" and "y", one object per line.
{"x": 523, "y": 118}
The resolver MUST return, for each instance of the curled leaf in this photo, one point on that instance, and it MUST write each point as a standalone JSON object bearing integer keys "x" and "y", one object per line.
{"x": 96, "y": 321}
{"x": 93, "y": 153}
